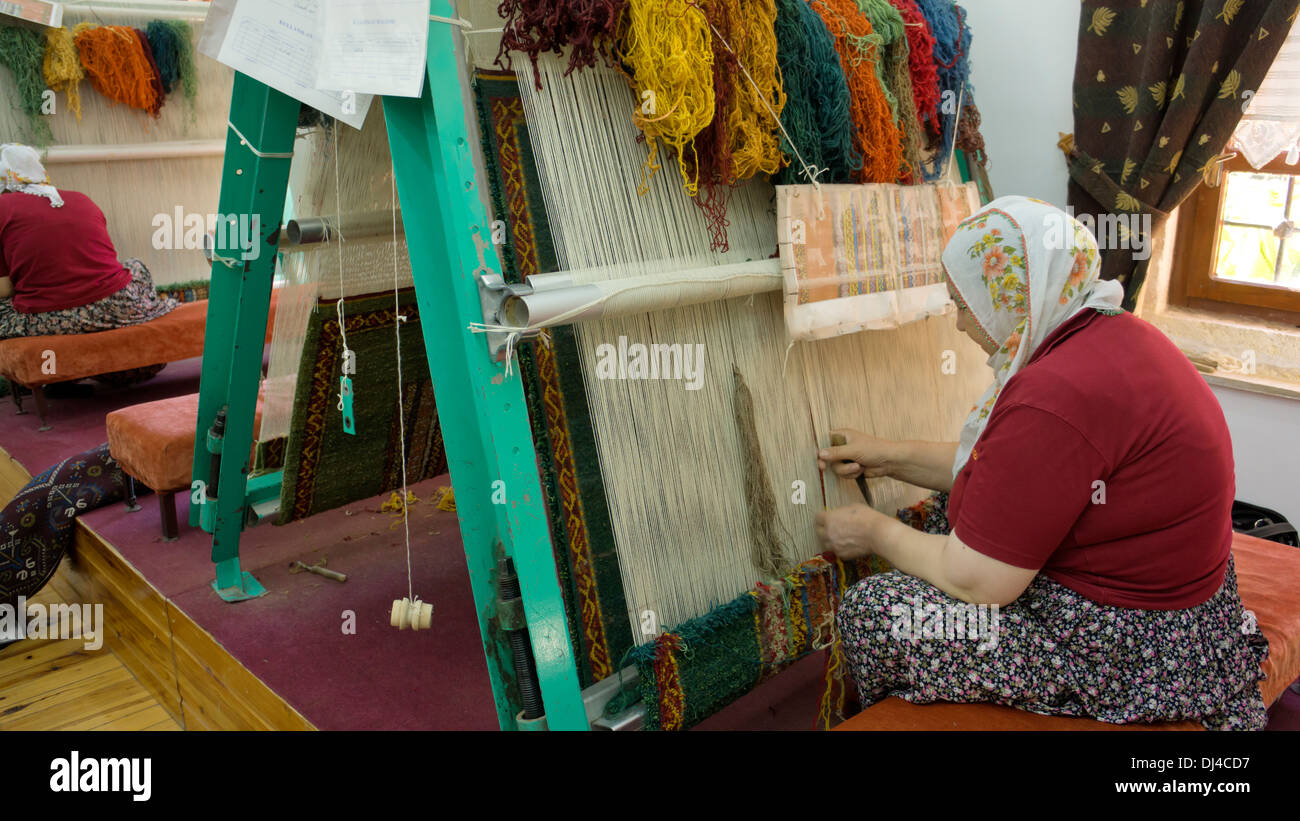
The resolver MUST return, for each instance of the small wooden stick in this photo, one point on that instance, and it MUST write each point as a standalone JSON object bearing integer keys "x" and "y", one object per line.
{"x": 318, "y": 570}
{"x": 838, "y": 439}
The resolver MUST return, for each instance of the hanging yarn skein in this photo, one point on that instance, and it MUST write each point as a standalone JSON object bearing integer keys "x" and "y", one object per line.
{"x": 951, "y": 56}
{"x": 768, "y": 552}
{"x": 23, "y": 51}
{"x": 816, "y": 115}
{"x": 712, "y": 146}
{"x": 874, "y": 134}
{"x": 118, "y": 65}
{"x": 892, "y": 67}
{"x": 585, "y": 27}
{"x": 755, "y": 142}
{"x": 62, "y": 68}
{"x": 666, "y": 46}
{"x": 920, "y": 59}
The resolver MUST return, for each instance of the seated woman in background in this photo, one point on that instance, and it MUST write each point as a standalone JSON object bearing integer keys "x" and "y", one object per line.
{"x": 59, "y": 272}
{"x": 1091, "y": 494}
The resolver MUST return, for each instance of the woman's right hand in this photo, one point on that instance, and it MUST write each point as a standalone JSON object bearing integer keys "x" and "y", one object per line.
{"x": 861, "y": 454}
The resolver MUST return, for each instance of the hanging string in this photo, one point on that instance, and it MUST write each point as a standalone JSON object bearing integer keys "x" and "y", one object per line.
{"x": 816, "y": 118}
{"x": 338, "y": 210}
{"x": 118, "y": 66}
{"x": 874, "y": 134}
{"x": 23, "y": 51}
{"x": 534, "y": 27}
{"x": 63, "y": 67}
{"x": 401, "y": 405}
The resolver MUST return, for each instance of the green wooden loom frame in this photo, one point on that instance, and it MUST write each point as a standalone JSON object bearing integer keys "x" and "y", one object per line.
{"x": 482, "y": 411}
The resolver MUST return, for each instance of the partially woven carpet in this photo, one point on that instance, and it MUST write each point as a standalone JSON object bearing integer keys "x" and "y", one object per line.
{"x": 38, "y": 524}
{"x": 578, "y": 511}
{"x": 690, "y": 672}
{"x": 324, "y": 467}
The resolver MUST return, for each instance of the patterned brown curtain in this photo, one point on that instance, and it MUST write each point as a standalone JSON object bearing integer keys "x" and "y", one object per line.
{"x": 1158, "y": 90}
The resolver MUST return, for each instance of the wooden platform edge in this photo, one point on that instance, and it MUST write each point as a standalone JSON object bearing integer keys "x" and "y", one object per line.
{"x": 196, "y": 680}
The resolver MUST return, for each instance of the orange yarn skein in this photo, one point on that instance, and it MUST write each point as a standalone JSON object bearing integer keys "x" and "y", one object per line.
{"x": 874, "y": 132}
{"x": 117, "y": 66}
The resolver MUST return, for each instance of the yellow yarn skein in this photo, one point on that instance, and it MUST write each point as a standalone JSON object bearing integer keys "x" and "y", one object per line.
{"x": 667, "y": 44}
{"x": 62, "y": 67}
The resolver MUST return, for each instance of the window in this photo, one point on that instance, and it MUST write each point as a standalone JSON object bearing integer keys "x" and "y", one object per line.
{"x": 1239, "y": 243}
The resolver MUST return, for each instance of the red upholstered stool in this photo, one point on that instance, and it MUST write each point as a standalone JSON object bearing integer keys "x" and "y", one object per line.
{"x": 154, "y": 444}
{"x": 1266, "y": 575}
{"x": 35, "y": 361}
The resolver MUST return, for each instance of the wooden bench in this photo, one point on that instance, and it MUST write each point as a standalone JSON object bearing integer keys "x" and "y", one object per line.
{"x": 1266, "y": 576}
{"x": 154, "y": 444}
{"x": 35, "y": 361}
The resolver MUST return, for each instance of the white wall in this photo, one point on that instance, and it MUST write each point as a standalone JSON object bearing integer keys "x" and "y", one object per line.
{"x": 1022, "y": 71}
{"x": 1266, "y": 445}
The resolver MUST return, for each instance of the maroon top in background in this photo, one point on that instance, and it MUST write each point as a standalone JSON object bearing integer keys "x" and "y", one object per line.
{"x": 58, "y": 258}
{"x": 1105, "y": 399}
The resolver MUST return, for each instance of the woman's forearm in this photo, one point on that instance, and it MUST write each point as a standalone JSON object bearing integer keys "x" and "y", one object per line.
{"x": 924, "y": 464}
{"x": 6, "y": 287}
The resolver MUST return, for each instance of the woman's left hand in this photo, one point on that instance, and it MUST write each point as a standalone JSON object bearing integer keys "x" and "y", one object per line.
{"x": 848, "y": 531}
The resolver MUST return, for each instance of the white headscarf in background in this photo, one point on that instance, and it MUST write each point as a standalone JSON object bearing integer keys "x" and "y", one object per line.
{"x": 21, "y": 170}
{"x": 1022, "y": 267}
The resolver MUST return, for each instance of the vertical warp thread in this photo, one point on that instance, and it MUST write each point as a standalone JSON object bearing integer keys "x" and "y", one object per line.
{"x": 62, "y": 67}
{"x": 767, "y": 551}
{"x": 23, "y": 51}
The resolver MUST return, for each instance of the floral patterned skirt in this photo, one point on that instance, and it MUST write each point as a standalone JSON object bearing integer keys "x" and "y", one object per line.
{"x": 136, "y": 303}
{"x": 1054, "y": 651}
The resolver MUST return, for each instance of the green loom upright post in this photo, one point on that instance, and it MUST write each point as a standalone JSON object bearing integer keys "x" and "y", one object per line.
{"x": 253, "y": 186}
{"x": 482, "y": 412}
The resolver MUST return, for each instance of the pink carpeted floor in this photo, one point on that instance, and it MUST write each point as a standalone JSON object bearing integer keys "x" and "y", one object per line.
{"x": 293, "y": 638}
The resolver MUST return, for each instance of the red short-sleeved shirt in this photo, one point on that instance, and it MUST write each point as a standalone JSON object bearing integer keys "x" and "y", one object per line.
{"x": 1105, "y": 399}
{"x": 58, "y": 258}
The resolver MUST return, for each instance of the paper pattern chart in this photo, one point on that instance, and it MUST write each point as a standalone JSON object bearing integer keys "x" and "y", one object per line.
{"x": 277, "y": 42}
{"x": 374, "y": 46}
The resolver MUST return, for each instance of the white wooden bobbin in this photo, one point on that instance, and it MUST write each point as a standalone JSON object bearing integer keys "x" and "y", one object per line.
{"x": 416, "y": 615}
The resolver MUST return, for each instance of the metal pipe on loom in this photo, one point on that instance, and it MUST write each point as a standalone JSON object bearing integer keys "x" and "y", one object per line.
{"x": 579, "y": 296}
{"x": 309, "y": 230}
{"x": 669, "y": 453}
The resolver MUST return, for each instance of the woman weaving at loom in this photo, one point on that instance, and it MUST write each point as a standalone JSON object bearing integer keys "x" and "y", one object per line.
{"x": 1090, "y": 498}
{"x": 59, "y": 272}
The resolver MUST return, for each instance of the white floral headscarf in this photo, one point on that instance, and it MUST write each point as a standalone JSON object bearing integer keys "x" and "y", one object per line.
{"x": 21, "y": 170}
{"x": 1021, "y": 267}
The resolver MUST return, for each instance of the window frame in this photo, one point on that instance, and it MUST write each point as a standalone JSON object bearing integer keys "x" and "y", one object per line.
{"x": 1193, "y": 283}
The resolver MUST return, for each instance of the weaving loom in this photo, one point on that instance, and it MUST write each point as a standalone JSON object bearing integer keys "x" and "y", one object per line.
{"x": 121, "y": 156}
{"x": 651, "y": 540}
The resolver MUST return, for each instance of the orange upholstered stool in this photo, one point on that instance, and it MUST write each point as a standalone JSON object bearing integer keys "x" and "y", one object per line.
{"x": 154, "y": 444}
{"x": 35, "y": 361}
{"x": 1266, "y": 578}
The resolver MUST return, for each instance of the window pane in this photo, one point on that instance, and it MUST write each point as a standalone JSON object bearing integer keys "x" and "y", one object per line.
{"x": 1246, "y": 253}
{"x": 1290, "y": 273}
{"x": 1255, "y": 198}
